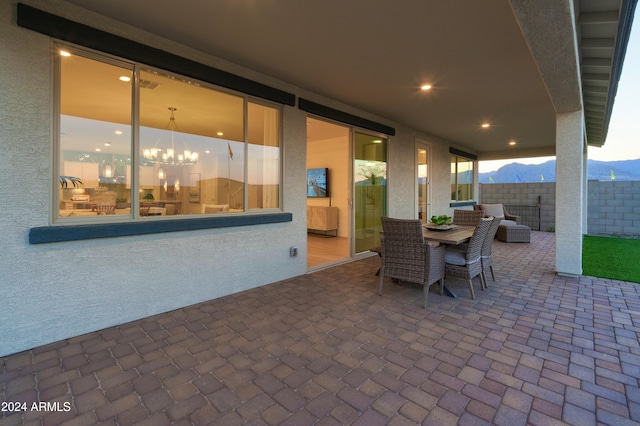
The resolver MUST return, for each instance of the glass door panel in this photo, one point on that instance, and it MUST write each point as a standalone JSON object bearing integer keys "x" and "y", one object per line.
{"x": 370, "y": 189}
{"x": 423, "y": 183}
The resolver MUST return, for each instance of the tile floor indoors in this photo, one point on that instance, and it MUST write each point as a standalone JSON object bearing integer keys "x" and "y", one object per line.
{"x": 535, "y": 348}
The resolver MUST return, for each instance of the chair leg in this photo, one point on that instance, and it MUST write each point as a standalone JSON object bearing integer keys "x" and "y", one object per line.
{"x": 473, "y": 295}
{"x": 426, "y": 294}
{"x": 483, "y": 280}
{"x": 381, "y": 283}
{"x": 492, "y": 275}
{"x": 442, "y": 286}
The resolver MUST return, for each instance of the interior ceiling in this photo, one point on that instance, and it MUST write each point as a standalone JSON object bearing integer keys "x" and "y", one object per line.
{"x": 375, "y": 58}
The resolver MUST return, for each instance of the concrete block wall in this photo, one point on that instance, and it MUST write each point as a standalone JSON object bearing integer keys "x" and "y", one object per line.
{"x": 524, "y": 194}
{"x": 613, "y": 207}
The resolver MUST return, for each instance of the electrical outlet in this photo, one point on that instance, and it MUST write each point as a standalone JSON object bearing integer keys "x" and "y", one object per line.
{"x": 293, "y": 251}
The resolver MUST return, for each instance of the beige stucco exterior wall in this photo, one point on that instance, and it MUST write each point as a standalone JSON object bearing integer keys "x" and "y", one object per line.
{"x": 59, "y": 290}
{"x": 570, "y": 181}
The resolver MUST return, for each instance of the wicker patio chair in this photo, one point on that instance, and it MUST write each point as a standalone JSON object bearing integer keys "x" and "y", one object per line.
{"x": 407, "y": 256}
{"x": 485, "y": 252}
{"x": 487, "y": 247}
{"x": 467, "y": 217}
{"x": 498, "y": 210}
{"x": 468, "y": 264}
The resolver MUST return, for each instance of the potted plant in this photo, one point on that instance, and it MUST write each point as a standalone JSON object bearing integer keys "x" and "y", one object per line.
{"x": 122, "y": 203}
{"x": 66, "y": 180}
{"x": 441, "y": 220}
{"x": 440, "y": 223}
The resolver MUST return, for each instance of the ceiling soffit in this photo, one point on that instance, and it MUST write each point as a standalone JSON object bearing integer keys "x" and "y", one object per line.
{"x": 502, "y": 62}
{"x": 603, "y": 28}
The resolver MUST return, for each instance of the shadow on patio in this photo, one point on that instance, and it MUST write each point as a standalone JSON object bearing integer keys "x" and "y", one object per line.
{"x": 324, "y": 348}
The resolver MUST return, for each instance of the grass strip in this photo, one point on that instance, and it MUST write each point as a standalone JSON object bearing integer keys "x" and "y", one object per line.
{"x": 611, "y": 257}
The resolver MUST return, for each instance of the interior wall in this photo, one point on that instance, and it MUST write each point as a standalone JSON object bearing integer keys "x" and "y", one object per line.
{"x": 334, "y": 154}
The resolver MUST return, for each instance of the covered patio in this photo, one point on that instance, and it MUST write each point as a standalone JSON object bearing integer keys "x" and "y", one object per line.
{"x": 324, "y": 348}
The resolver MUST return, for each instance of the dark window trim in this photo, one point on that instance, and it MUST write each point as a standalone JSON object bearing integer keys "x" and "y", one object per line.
{"x": 462, "y": 203}
{"x": 463, "y": 154}
{"x": 54, "y": 234}
{"x": 344, "y": 117}
{"x": 84, "y": 35}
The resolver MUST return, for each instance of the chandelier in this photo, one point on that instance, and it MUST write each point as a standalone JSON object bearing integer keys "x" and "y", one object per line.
{"x": 170, "y": 156}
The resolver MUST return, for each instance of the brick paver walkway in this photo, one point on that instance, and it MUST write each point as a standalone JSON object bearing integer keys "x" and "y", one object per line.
{"x": 325, "y": 349}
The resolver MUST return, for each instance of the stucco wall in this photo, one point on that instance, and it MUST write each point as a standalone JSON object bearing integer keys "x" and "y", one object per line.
{"x": 59, "y": 290}
{"x": 53, "y": 291}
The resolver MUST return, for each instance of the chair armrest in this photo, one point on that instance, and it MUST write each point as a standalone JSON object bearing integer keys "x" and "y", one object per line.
{"x": 435, "y": 253}
{"x": 513, "y": 217}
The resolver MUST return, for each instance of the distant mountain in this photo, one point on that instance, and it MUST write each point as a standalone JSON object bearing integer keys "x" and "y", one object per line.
{"x": 546, "y": 172}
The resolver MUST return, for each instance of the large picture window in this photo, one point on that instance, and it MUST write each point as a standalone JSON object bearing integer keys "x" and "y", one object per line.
{"x": 461, "y": 178}
{"x": 200, "y": 150}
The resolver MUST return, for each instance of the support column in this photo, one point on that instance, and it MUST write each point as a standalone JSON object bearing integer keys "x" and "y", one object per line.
{"x": 570, "y": 192}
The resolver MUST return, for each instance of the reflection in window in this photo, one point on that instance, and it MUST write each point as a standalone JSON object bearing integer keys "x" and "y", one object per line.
{"x": 95, "y": 137}
{"x": 461, "y": 178}
{"x": 264, "y": 157}
{"x": 201, "y": 150}
{"x": 191, "y": 146}
{"x": 370, "y": 189}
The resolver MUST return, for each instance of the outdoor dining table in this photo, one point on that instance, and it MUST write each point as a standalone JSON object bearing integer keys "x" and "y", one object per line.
{"x": 460, "y": 234}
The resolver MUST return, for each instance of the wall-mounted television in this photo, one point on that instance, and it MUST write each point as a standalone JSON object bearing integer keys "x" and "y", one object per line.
{"x": 318, "y": 182}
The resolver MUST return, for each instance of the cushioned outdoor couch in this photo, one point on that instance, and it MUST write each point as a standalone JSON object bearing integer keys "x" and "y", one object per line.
{"x": 498, "y": 210}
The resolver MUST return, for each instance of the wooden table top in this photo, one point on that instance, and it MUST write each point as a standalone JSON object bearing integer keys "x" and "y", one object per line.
{"x": 454, "y": 236}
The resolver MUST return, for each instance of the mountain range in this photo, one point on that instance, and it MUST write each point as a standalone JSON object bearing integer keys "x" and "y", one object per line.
{"x": 546, "y": 172}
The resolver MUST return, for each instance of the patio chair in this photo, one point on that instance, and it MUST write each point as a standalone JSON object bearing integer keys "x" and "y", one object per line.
{"x": 407, "y": 256}
{"x": 487, "y": 247}
{"x": 468, "y": 264}
{"x": 485, "y": 252}
{"x": 467, "y": 217}
{"x": 498, "y": 210}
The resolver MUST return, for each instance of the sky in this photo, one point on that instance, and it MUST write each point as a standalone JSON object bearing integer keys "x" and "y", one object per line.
{"x": 623, "y": 137}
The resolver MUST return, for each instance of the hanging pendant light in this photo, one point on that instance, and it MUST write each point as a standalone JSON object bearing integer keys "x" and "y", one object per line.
{"x": 169, "y": 155}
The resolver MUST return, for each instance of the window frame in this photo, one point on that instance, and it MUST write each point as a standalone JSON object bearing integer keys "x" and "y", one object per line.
{"x": 136, "y": 67}
{"x": 65, "y": 229}
{"x": 466, "y": 157}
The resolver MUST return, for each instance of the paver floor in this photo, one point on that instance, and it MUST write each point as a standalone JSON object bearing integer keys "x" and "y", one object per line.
{"x": 323, "y": 348}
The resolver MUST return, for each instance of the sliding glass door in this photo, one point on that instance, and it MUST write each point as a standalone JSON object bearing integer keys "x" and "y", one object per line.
{"x": 370, "y": 189}
{"x": 422, "y": 182}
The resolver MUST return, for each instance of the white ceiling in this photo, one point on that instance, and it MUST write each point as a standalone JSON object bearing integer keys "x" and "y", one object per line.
{"x": 374, "y": 55}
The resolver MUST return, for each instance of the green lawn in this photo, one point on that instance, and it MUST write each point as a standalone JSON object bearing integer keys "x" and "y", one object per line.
{"x": 609, "y": 257}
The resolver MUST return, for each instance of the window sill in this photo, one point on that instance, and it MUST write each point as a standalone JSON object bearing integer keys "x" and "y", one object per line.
{"x": 462, "y": 203}
{"x": 54, "y": 234}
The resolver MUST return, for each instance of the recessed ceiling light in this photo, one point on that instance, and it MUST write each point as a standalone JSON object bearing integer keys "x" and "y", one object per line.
{"x": 220, "y": 134}
{"x": 124, "y": 78}
{"x": 98, "y": 150}
{"x": 425, "y": 87}
{"x": 485, "y": 125}
{"x": 376, "y": 141}
{"x": 64, "y": 53}
{"x": 512, "y": 143}
{"x": 107, "y": 144}
{"x": 118, "y": 132}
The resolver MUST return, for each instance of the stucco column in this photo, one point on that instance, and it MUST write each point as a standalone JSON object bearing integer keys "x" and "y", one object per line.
{"x": 570, "y": 201}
